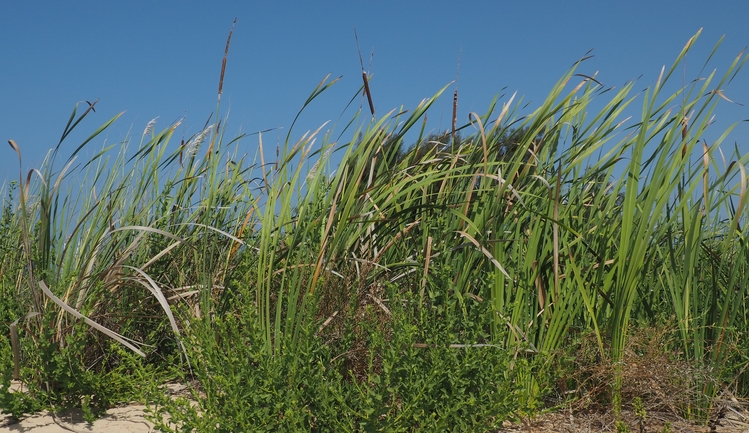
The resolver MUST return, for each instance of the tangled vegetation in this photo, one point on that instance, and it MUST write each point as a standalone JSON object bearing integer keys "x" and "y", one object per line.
{"x": 363, "y": 285}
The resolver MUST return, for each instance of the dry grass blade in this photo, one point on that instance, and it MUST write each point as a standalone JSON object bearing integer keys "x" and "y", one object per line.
{"x": 155, "y": 258}
{"x": 326, "y": 233}
{"x": 427, "y": 259}
{"x": 503, "y": 183}
{"x": 262, "y": 158}
{"x": 742, "y": 198}
{"x": 152, "y": 287}
{"x": 505, "y": 109}
{"x": 25, "y": 232}
{"x": 380, "y": 304}
{"x": 16, "y": 345}
{"x": 474, "y": 117}
{"x": 106, "y": 331}
{"x": 15, "y": 147}
{"x": 149, "y": 229}
{"x": 485, "y": 252}
{"x": 327, "y": 322}
{"x": 705, "y": 174}
{"x": 158, "y": 294}
{"x": 205, "y": 226}
{"x": 555, "y": 229}
{"x": 722, "y": 95}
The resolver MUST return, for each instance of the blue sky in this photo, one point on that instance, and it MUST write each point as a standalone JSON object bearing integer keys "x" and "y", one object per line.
{"x": 163, "y": 59}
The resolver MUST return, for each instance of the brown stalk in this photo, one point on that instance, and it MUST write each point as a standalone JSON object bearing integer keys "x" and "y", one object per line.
{"x": 221, "y": 87}
{"x": 455, "y": 101}
{"x": 706, "y": 164}
{"x": 223, "y": 63}
{"x": 555, "y": 231}
{"x": 24, "y": 194}
{"x": 539, "y": 287}
{"x": 241, "y": 232}
{"x": 684, "y": 126}
{"x": 455, "y": 112}
{"x": 366, "y": 91}
{"x": 364, "y": 76}
{"x": 742, "y": 198}
{"x": 326, "y": 235}
{"x": 426, "y": 270}
{"x": 181, "y": 150}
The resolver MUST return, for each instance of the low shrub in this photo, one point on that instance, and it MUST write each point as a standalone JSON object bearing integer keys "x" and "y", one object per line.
{"x": 413, "y": 379}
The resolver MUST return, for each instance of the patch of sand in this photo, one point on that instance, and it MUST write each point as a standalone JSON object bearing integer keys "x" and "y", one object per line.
{"x": 129, "y": 419}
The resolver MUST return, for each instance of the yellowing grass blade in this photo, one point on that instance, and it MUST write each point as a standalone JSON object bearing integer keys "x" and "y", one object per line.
{"x": 485, "y": 252}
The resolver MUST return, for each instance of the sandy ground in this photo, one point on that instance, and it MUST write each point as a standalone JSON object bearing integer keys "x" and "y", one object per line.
{"x": 127, "y": 419}
{"x": 124, "y": 419}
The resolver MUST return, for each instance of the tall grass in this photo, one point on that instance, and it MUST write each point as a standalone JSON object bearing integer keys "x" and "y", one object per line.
{"x": 556, "y": 221}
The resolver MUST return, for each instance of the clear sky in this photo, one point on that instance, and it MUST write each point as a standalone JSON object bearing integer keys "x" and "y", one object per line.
{"x": 163, "y": 58}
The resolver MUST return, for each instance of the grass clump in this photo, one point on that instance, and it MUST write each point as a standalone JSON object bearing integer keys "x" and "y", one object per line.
{"x": 656, "y": 377}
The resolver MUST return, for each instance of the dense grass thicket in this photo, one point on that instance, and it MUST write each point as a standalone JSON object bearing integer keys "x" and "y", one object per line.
{"x": 355, "y": 283}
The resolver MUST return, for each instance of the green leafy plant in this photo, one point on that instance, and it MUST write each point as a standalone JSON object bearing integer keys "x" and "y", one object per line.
{"x": 414, "y": 379}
